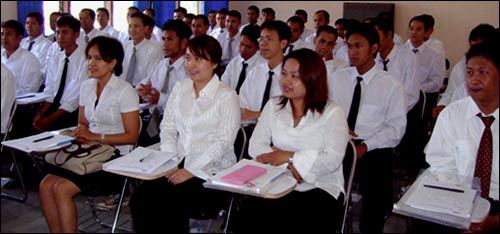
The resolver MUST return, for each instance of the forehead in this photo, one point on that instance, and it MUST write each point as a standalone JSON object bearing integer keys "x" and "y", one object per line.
{"x": 170, "y": 33}
{"x": 246, "y": 41}
{"x": 293, "y": 24}
{"x": 32, "y": 19}
{"x": 8, "y": 30}
{"x": 231, "y": 18}
{"x": 357, "y": 38}
{"x": 417, "y": 23}
{"x": 136, "y": 20}
{"x": 327, "y": 36}
{"x": 268, "y": 32}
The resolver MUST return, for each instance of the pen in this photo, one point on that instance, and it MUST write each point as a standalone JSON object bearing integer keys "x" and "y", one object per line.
{"x": 444, "y": 188}
{"x": 60, "y": 143}
{"x": 26, "y": 96}
{"x": 44, "y": 138}
{"x": 145, "y": 157}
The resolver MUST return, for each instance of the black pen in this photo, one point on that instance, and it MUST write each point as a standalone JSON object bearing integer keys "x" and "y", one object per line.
{"x": 443, "y": 188}
{"x": 45, "y": 138}
{"x": 26, "y": 96}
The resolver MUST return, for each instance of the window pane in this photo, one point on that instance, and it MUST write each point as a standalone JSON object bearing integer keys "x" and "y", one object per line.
{"x": 48, "y": 8}
{"x": 119, "y": 13}
{"x": 77, "y": 6}
{"x": 191, "y": 6}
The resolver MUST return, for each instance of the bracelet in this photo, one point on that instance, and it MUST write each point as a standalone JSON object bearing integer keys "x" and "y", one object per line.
{"x": 290, "y": 160}
{"x": 102, "y": 138}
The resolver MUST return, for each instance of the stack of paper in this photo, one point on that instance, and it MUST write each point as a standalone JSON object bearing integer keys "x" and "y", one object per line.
{"x": 141, "y": 160}
{"x": 30, "y": 98}
{"x": 43, "y": 142}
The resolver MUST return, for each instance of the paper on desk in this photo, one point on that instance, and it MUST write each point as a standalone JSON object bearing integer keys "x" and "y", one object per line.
{"x": 30, "y": 98}
{"x": 442, "y": 201}
{"x": 28, "y": 145}
{"x": 141, "y": 160}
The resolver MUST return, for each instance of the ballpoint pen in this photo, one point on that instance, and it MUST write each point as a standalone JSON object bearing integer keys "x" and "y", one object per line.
{"x": 444, "y": 188}
{"x": 44, "y": 138}
{"x": 60, "y": 143}
{"x": 145, "y": 157}
{"x": 29, "y": 96}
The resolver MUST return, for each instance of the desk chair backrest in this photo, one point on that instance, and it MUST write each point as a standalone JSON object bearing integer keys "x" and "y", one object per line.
{"x": 10, "y": 121}
{"x": 349, "y": 167}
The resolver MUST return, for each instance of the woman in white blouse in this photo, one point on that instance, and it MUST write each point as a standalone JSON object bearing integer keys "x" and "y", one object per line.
{"x": 199, "y": 126}
{"x": 108, "y": 113}
{"x": 307, "y": 133}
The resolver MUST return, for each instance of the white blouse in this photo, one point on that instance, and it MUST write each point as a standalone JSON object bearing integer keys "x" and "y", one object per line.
{"x": 201, "y": 130}
{"x": 319, "y": 142}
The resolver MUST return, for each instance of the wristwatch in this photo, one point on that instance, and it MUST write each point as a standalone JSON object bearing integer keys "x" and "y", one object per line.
{"x": 290, "y": 160}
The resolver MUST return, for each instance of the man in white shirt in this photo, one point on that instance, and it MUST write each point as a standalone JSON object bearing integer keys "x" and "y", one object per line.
{"x": 296, "y": 25}
{"x": 156, "y": 89}
{"x": 8, "y": 97}
{"x": 230, "y": 39}
{"x": 36, "y": 43}
{"x": 157, "y": 31}
{"x": 87, "y": 20}
{"x": 212, "y": 21}
{"x": 62, "y": 85}
{"x": 147, "y": 54}
{"x": 249, "y": 57}
{"x": 53, "y": 19}
{"x": 221, "y": 23}
{"x": 324, "y": 43}
{"x": 307, "y": 32}
{"x": 464, "y": 143}
{"x": 433, "y": 42}
{"x": 376, "y": 128}
{"x": 103, "y": 20}
{"x": 262, "y": 82}
{"x": 252, "y": 16}
{"x": 321, "y": 18}
{"x": 199, "y": 26}
{"x": 24, "y": 65}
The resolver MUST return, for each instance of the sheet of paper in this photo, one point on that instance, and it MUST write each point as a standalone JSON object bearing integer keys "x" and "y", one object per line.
{"x": 30, "y": 98}
{"x": 141, "y": 160}
{"x": 44, "y": 141}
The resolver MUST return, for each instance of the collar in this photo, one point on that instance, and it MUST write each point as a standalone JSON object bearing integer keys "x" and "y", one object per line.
{"x": 473, "y": 109}
{"x": 210, "y": 89}
{"x": 367, "y": 77}
{"x": 177, "y": 64}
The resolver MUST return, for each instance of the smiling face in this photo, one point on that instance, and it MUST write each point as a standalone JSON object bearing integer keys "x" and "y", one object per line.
{"x": 98, "y": 68}
{"x": 290, "y": 81}
{"x": 199, "y": 69}
{"x": 482, "y": 80}
{"x": 136, "y": 29}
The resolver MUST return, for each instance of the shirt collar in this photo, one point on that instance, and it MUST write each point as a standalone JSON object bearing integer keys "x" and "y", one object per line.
{"x": 177, "y": 64}
{"x": 211, "y": 88}
{"x": 473, "y": 109}
{"x": 367, "y": 77}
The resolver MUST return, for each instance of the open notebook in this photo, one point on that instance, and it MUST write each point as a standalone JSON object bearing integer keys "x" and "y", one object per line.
{"x": 253, "y": 178}
{"x": 40, "y": 143}
{"x": 140, "y": 161}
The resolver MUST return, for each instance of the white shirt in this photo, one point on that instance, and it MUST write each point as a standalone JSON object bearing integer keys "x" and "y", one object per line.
{"x": 307, "y": 32}
{"x": 224, "y": 39}
{"x": 310, "y": 39}
{"x": 335, "y": 64}
{"x": 123, "y": 37}
{"x": 232, "y": 73}
{"x": 148, "y": 56}
{"x": 457, "y": 78}
{"x": 432, "y": 67}
{"x": 381, "y": 119}
{"x": 339, "y": 43}
{"x": 299, "y": 44}
{"x": 76, "y": 74}
{"x": 158, "y": 33}
{"x": 453, "y": 146}
{"x": 51, "y": 53}
{"x": 8, "y": 96}
{"x": 26, "y": 70}
{"x": 158, "y": 79}
{"x": 437, "y": 45}
{"x": 40, "y": 48}
{"x": 460, "y": 92}
{"x": 94, "y": 33}
{"x": 117, "y": 97}
{"x": 342, "y": 53}
{"x": 216, "y": 31}
{"x": 201, "y": 130}
{"x": 111, "y": 31}
{"x": 318, "y": 142}
{"x": 252, "y": 90}
{"x": 403, "y": 65}
{"x": 397, "y": 39}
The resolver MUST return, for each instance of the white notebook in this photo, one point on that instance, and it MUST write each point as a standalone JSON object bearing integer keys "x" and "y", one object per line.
{"x": 140, "y": 160}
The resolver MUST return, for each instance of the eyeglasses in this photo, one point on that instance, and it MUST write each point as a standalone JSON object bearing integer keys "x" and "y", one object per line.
{"x": 264, "y": 39}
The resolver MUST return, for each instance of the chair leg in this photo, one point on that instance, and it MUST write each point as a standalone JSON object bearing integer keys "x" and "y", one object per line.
{"x": 21, "y": 180}
{"x": 119, "y": 206}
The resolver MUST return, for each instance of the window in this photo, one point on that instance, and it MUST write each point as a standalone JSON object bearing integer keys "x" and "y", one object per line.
{"x": 192, "y": 6}
{"x": 48, "y": 8}
{"x": 77, "y": 6}
{"x": 119, "y": 14}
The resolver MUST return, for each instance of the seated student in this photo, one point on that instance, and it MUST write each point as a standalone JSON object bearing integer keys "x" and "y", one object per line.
{"x": 65, "y": 74}
{"x": 307, "y": 131}
{"x": 464, "y": 143}
{"x": 199, "y": 126}
{"x": 35, "y": 42}
{"x": 108, "y": 113}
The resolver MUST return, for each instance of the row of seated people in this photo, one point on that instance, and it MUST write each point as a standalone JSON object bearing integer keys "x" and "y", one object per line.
{"x": 379, "y": 128}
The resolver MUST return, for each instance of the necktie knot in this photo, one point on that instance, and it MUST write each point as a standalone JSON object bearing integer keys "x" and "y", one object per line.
{"x": 291, "y": 48}
{"x": 486, "y": 120}
{"x": 271, "y": 73}
{"x": 415, "y": 51}
{"x": 245, "y": 65}
{"x": 359, "y": 78}
{"x": 31, "y": 45}
{"x": 170, "y": 68}
{"x": 87, "y": 39}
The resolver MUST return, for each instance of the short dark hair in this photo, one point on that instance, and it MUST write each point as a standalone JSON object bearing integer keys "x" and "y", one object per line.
{"x": 206, "y": 47}
{"x": 144, "y": 18}
{"x": 109, "y": 49}
{"x": 91, "y": 12}
{"x": 235, "y": 13}
{"x": 269, "y": 11}
{"x": 189, "y": 16}
{"x": 37, "y": 15}
{"x": 430, "y": 19}
{"x": 325, "y": 14}
{"x": 252, "y": 32}
{"x": 14, "y": 24}
{"x": 133, "y": 8}
{"x": 422, "y": 19}
{"x": 327, "y": 29}
{"x": 483, "y": 32}
{"x": 222, "y": 11}
{"x": 284, "y": 32}
{"x": 151, "y": 10}
{"x": 70, "y": 21}
{"x": 384, "y": 25}
{"x": 313, "y": 74}
{"x": 341, "y": 21}
{"x": 301, "y": 12}
{"x": 203, "y": 18}
{"x": 181, "y": 10}
{"x": 296, "y": 19}
{"x": 254, "y": 8}
{"x": 182, "y": 29}
{"x": 103, "y": 10}
{"x": 212, "y": 11}
{"x": 488, "y": 50}
{"x": 368, "y": 32}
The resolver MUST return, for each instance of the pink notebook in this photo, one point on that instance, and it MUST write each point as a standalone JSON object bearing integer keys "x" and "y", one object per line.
{"x": 244, "y": 175}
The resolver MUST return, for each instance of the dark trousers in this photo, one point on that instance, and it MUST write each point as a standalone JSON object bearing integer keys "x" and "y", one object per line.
{"x": 374, "y": 175}
{"x": 314, "y": 211}
{"x": 158, "y": 206}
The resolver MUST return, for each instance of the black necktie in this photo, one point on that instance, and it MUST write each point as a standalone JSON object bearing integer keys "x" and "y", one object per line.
{"x": 62, "y": 84}
{"x": 291, "y": 48}
{"x": 385, "y": 62}
{"x": 242, "y": 78}
{"x": 353, "y": 111}
{"x": 415, "y": 51}
{"x": 267, "y": 92}
{"x": 31, "y": 45}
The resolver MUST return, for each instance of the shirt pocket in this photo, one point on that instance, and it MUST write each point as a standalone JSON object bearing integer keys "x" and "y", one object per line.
{"x": 369, "y": 116}
{"x": 466, "y": 156}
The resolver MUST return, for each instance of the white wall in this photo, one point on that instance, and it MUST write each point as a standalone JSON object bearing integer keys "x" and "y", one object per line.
{"x": 9, "y": 10}
{"x": 454, "y": 20}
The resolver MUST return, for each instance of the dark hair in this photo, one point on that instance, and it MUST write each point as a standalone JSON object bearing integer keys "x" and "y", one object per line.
{"x": 235, "y": 13}
{"x": 368, "y": 32}
{"x": 91, "y": 12}
{"x": 422, "y": 19}
{"x": 104, "y": 10}
{"x": 181, "y": 29}
{"x": 429, "y": 20}
{"x": 223, "y": 11}
{"x": 301, "y": 12}
{"x": 55, "y": 13}
{"x": 254, "y": 8}
{"x": 252, "y": 32}
{"x": 181, "y": 10}
{"x": 279, "y": 26}
{"x": 489, "y": 50}
{"x": 296, "y": 19}
{"x": 269, "y": 11}
{"x": 483, "y": 32}
{"x": 206, "y": 47}
{"x": 203, "y": 18}
{"x": 70, "y": 21}
{"x": 144, "y": 18}
{"x": 14, "y": 24}
{"x": 384, "y": 25}
{"x": 341, "y": 21}
{"x": 109, "y": 49}
{"x": 312, "y": 72}
{"x": 37, "y": 15}
{"x": 189, "y": 16}
{"x": 134, "y": 8}
{"x": 325, "y": 14}
{"x": 212, "y": 11}
{"x": 327, "y": 29}
{"x": 151, "y": 10}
